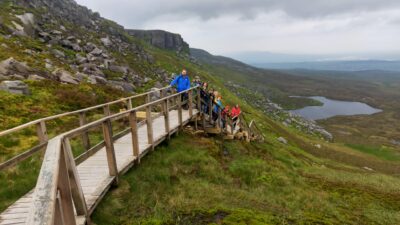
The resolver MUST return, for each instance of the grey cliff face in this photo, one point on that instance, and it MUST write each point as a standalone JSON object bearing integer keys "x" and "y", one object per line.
{"x": 161, "y": 39}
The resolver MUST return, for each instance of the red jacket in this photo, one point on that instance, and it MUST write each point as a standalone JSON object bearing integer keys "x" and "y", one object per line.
{"x": 235, "y": 111}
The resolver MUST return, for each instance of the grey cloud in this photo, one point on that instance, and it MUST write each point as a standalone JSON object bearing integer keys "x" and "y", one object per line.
{"x": 141, "y": 11}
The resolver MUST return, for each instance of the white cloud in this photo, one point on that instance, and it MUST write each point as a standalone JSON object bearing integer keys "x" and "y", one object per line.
{"x": 286, "y": 26}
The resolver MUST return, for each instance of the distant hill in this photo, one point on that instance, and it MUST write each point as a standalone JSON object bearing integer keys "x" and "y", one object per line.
{"x": 357, "y": 65}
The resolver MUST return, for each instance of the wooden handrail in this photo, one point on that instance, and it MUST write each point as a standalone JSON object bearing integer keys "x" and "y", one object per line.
{"x": 17, "y": 128}
{"x": 42, "y": 130}
{"x": 58, "y": 191}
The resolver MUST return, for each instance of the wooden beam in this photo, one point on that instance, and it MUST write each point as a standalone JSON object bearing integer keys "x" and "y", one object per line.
{"x": 129, "y": 104}
{"x": 85, "y": 135}
{"x": 190, "y": 103}
{"x": 75, "y": 183}
{"x": 65, "y": 197}
{"x": 210, "y": 110}
{"x": 21, "y": 157}
{"x": 179, "y": 99}
{"x": 149, "y": 123}
{"x": 41, "y": 131}
{"x": 112, "y": 163}
{"x": 199, "y": 100}
{"x": 106, "y": 110}
{"x": 166, "y": 118}
{"x": 134, "y": 133}
{"x": 44, "y": 197}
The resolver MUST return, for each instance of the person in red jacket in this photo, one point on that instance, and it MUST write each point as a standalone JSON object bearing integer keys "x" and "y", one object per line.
{"x": 235, "y": 114}
{"x": 236, "y": 111}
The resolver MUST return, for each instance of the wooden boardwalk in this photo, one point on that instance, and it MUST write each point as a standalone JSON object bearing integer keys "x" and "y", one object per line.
{"x": 94, "y": 173}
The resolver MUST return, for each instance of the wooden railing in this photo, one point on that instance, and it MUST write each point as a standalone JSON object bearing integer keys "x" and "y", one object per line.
{"x": 58, "y": 191}
{"x": 41, "y": 128}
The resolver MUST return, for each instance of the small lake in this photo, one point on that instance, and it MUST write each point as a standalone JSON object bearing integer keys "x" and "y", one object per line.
{"x": 331, "y": 108}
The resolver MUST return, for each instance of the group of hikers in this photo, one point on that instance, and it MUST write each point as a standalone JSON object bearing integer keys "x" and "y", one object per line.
{"x": 211, "y": 98}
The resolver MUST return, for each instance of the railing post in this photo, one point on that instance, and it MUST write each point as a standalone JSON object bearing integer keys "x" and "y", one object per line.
{"x": 180, "y": 111}
{"x": 41, "y": 131}
{"x": 190, "y": 103}
{"x": 67, "y": 215}
{"x": 149, "y": 123}
{"x": 166, "y": 118}
{"x": 76, "y": 187}
{"x": 106, "y": 110}
{"x": 108, "y": 140}
{"x": 147, "y": 98}
{"x": 129, "y": 104}
{"x": 199, "y": 99}
{"x": 210, "y": 110}
{"x": 232, "y": 127}
{"x": 134, "y": 132}
{"x": 219, "y": 118}
{"x": 162, "y": 96}
{"x": 85, "y": 135}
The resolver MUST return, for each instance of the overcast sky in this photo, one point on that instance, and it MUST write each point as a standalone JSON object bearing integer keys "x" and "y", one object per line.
{"x": 346, "y": 28}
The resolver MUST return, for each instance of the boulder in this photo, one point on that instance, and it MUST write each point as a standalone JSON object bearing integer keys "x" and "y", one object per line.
{"x": 106, "y": 41}
{"x": 155, "y": 94}
{"x": 119, "y": 69}
{"x": 128, "y": 87}
{"x": 28, "y": 21}
{"x": 81, "y": 76}
{"x": 11, "y": 66}
{"x": 35, "y": 77}
{"x": 89, "y": 47}
{"x": 65, "y": 77}
{"x": 282, "y": 140}
{"x": 14, "y": 87}
{"x": 80, "y": 59}
{"x": 58, "y": 53}
{"x": 96, "y": 52}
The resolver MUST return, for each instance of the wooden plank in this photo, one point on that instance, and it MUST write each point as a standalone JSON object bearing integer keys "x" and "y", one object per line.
{"x": 180, "y": 110}
{"x": 46, "y": 189}
{"x": 75, "y": 184}
{"x": 190, "y": 103}
{"x": 41, "y": 131}
{"x": 149, "y": 123}
{"x": 134, "y": 134}
{"x": 106, "y": 110}
{"x": 21, "y": 157}
{"x": 65, "y": 197}
{"x": 112, "y": 164}
{"x": 166, "y": 118}
{"x": 85, "y": 135}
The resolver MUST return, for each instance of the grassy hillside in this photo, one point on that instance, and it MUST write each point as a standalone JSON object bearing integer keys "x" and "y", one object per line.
{"x": 200, "y": 179}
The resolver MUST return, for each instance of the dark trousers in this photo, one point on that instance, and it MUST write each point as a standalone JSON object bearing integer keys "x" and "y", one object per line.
{"x": 185, "y": 97}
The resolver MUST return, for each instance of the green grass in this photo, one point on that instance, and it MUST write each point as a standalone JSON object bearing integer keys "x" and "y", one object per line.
{"x": 196, "y": 180}
{"x": 380, "y": 152}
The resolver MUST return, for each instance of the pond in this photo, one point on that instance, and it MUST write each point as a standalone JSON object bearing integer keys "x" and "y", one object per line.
{"x": 331, "y": 108}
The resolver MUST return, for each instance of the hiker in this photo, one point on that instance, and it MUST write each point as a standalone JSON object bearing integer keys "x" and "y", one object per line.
{"x": 197, "y": 81}
{"x": 224, "y": 115}
{"x": 235, "y": 114}
{"x": 206, "y": 98}
{"x": 182, "y": 83}
{"x": 217, "y": 106}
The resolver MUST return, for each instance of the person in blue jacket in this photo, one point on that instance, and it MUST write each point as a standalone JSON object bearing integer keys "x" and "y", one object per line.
{"x": 182, "y": 83}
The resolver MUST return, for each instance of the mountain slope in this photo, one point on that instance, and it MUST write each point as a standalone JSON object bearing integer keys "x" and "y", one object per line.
{"x": 194, "y": 179}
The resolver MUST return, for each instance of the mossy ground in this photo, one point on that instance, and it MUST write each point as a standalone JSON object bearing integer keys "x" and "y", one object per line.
{"x": 198, "y": 180}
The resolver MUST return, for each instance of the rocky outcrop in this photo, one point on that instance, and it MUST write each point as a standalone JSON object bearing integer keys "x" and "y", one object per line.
{"x": 161, "y": 39}
{"x": 11, "y": 68}
{"x": 14, "y": 87}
